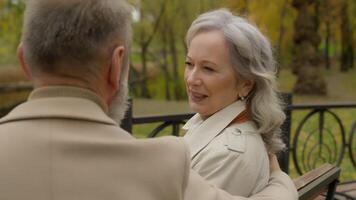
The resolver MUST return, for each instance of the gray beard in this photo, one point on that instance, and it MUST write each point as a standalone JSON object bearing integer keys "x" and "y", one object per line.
{"x": 119, "y": 104}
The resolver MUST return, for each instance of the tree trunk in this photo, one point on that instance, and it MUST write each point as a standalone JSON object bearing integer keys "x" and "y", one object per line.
{"x": 282, "y": 31}
{"x": 145, "y": 40}
{"x": 245, "y": 10}
{"x": 167, "y": 77}
{"x": 174, "y": 56}
{"x": 306, "y": 61}
{"x": 327, "y": 45}
{"x": 144, "y": 90}
{"x": 134, "y": 83}
{"x": 347, "y": 48}
{"x": 164, "y": 64}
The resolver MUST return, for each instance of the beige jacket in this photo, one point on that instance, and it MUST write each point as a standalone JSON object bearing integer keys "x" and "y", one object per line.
{"x": 60, "y": 145}
{"x": 233, "y": 157}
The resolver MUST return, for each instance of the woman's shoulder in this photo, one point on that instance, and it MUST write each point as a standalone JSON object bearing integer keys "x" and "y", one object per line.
{"x": 242, "y": 137}
{"x": 240, "y": 140}
{"x": 237, "y": 155}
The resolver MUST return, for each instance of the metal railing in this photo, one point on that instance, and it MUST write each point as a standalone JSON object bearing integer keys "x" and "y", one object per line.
{"x": 320, "y": 135}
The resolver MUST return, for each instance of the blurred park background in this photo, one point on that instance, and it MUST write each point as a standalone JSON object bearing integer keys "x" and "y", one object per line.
{"x": 314, "y": 43}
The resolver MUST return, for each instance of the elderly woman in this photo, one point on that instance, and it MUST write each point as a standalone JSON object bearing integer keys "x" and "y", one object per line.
{"x": 230, "y": 82}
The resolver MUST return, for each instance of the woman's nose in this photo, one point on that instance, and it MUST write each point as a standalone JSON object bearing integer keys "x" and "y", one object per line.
{"x": 193, "y": 77}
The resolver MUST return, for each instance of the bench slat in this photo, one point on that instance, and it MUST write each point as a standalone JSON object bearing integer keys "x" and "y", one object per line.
{"x": 311, "y": 176}
{"x": 318, "y": 181}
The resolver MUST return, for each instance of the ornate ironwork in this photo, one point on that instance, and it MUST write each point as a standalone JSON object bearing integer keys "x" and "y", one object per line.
{"x": 175, "y": 128}
{"x": 319, "y": 145}
{"x": 173, "y": 121}
{"x": 351, "y": 144}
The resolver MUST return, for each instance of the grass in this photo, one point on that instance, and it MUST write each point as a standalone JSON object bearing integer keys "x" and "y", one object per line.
{"x": 341, "y": 88}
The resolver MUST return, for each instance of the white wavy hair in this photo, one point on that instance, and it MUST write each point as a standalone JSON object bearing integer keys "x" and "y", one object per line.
{"x": 252, "y": 59}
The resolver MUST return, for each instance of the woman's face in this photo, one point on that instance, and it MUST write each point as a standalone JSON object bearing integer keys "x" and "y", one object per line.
{"x": 209, "y": 76}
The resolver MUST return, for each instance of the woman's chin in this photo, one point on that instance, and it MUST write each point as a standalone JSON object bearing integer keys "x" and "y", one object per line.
{"x": 202, "y": 110}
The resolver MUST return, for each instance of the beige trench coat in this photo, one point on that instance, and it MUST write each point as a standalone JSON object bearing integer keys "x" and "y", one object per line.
{"x": 233, "y": 157}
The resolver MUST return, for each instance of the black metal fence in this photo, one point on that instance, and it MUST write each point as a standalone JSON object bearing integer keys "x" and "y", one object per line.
{"x": 326, "y": 139}
{"x": 320, "y": 136}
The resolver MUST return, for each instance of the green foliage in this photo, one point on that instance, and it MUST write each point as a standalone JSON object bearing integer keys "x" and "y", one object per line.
{"x": 176, "y": 18}
{"x": 11, "y": 15}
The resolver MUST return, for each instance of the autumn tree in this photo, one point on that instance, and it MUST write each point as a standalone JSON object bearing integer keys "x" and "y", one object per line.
{"x": 173, "y": 16}
{"x": 145, "y": 30}
{"x": 347, "y": 40}
{"x": 11, "y": 14}
{"x": 239, "y": 6}
{"x": 282, "y": 28}
{"x": 306, "y": 61}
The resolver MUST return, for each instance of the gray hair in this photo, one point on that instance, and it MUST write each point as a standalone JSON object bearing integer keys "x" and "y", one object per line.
{"x": 252, "y": 59}
{"x": 74, "y": 37}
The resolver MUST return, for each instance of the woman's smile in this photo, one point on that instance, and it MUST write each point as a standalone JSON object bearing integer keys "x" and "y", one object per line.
{"x": 197, "y": 97}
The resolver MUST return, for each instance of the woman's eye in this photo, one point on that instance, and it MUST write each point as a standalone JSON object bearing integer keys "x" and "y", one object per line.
{"x": 209, "y": 69}
{"x": 188, "y": 64}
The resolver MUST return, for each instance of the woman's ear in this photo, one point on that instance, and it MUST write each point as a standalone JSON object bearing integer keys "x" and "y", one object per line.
{"x": 24, "y": 66}
{"x": 246, "y": 87}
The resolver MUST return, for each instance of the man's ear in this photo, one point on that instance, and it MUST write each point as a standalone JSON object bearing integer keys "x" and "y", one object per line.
{"x": 24, "y": 66}
{"x": 117, "y": 59}
{"x": 246, "y": 87}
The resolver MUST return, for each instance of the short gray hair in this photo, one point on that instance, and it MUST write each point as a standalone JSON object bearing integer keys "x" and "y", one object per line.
{"x": 59, "y": 34}
{"x": 252, "y": 59}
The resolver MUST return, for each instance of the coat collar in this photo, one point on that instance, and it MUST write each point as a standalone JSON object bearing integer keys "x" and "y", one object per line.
{"x": 61, "y": 102}
{"x": 201, "y": 132}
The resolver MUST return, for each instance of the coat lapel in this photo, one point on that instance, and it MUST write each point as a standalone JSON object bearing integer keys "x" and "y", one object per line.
{"x": 201, "y": 132}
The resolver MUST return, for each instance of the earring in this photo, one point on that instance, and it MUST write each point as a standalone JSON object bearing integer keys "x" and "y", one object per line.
{"x": 242, "y": 98}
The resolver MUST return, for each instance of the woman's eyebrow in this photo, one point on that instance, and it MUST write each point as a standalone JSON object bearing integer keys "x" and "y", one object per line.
{"x": 203, "y": 61}
{"x": 208, "y": 62}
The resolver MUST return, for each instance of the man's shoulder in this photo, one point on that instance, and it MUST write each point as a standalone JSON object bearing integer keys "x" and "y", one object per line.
{"x": 164, "y": 145}
{"x": 169, "y": 148}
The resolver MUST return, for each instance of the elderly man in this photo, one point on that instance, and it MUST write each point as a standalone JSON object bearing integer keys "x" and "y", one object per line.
{"x": 61, "y": 144}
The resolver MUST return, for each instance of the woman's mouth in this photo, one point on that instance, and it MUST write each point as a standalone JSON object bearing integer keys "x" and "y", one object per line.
{"x": 196, "y": 96}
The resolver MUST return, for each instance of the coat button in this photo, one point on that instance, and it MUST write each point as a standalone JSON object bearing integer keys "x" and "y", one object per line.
{"x": 237, "y": 132}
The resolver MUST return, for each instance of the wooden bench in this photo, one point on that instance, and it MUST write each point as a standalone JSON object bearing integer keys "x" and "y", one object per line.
{"x": 319, "y": 183}
{"x": 346, "y": 191}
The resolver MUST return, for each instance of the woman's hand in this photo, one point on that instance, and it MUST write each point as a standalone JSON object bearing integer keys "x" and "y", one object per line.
{"x": 274, "y": 165}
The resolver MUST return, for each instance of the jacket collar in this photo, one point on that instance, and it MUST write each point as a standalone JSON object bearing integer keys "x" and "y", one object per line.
{"x": 201, "y": 132}
{"x": 61, "y": 102}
